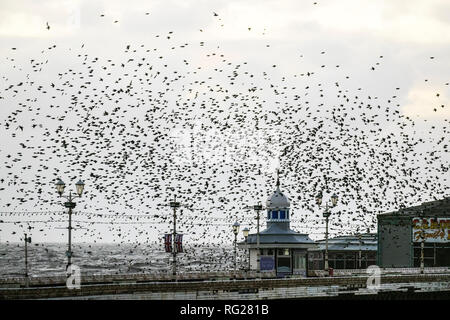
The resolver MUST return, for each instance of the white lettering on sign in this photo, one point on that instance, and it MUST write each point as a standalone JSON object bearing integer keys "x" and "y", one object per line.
{"x": 431, "y": 229}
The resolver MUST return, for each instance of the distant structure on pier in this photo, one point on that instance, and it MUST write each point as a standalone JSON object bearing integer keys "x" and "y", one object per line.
{"x": 345, "y": 252}
{"x": 281, "y": 249}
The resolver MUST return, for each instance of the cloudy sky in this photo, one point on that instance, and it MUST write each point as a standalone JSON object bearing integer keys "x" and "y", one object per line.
{"x": 395, "y": 50}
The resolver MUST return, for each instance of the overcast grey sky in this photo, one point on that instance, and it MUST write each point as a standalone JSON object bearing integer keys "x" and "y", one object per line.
{"x": 394, "y": 50}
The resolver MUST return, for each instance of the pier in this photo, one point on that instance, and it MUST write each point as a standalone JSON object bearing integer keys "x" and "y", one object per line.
{"x": 219, "y": 286}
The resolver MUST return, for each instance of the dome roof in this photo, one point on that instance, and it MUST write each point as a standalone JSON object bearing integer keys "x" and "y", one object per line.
{"x": 277, "y": 200}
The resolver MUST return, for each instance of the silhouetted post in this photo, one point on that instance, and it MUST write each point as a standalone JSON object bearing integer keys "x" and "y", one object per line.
{"x": 422, "y": 248}
{"x": 422, "y": 243}
{"x": 70, "y": 204}
{"x": 236, "y": 226}
{"x": 27, "y": 279}
{"x": 174, "y": 204}
{"x": 359, "y": 258}
{"x": 326, "y": 214}
{"x": 257, "y": 208}
{"x": 245, "y": 233}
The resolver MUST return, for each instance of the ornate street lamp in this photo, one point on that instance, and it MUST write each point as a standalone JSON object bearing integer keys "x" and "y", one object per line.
{"x": 174, "y": 204}
{"x": 80, "y": 187}
{"x": 60, "y": 185}
{"x": 319, "y": 198}
{"x": 245, "y": 233}
{"x": 326, "y": 214}
{"x": 334, "y": 199}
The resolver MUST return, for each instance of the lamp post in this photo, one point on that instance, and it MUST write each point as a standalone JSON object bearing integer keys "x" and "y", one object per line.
{"x": 236, "y": 226}
{"x": 359, "y": 254}
{"x": 422, "y": 248}
{"x": 174, "y": 205}
{"x": 70, "y": 205}
{"x": 27, "y": 240}
{"x": 326, "y": 214}
{"x": 245, "y": 233}
{"x": 257, "y": 208}
{"x": 422, "y": 244}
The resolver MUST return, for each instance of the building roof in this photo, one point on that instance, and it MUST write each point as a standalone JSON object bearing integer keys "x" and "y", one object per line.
{"x": 427, "y": 209}
{"x": 279, "y": 233}
{"x": 349, "y": 243}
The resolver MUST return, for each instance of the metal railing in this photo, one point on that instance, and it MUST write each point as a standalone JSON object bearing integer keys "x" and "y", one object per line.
{"x": 384, "y": 271}
{"x": 155, "y": 276}
{"x": 214, "y": 275}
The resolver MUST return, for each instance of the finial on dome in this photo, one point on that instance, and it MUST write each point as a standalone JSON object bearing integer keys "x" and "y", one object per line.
{"x": 277, "y": 199}
{"x": 278, "y": 179}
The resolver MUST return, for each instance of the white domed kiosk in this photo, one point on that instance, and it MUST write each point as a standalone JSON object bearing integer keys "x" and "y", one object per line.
{"x": 281, "y": 249}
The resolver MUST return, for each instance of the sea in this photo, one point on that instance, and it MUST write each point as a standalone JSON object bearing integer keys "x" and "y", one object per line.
{"x": 49, "y": 259}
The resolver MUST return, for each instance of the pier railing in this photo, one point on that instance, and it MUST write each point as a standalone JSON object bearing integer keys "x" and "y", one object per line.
{"x": 384, "y": 271}
{"x": 137, "y": 277}
{"x": 239, "y": 289}
{"x": 198, "y": 276}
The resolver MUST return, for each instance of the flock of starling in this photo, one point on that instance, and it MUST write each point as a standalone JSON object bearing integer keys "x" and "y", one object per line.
{"x": 156, "y": 122}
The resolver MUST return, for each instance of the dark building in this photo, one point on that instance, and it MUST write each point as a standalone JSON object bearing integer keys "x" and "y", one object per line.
{"x": 400, "y": 234}
{"x": 345, "y": 252}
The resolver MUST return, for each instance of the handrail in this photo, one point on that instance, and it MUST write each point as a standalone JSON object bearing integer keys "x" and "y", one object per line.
{"x": 88, "y": 278}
